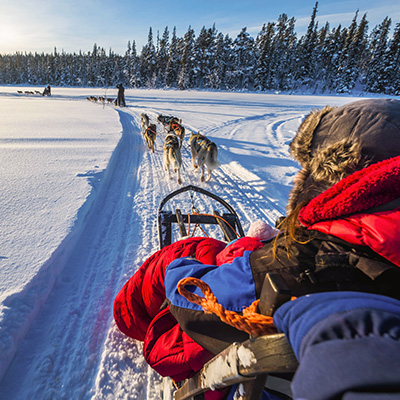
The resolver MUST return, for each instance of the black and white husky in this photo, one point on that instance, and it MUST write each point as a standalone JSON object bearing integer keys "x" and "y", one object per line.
{"x": 165, "y": 121}
{"x": 144, "y": 121}
{"x": 172, "y": 155}
{"x": 206, "y": 153}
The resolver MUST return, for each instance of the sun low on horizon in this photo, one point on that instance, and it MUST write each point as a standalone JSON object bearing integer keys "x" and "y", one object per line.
{"x": 11, "y": 38}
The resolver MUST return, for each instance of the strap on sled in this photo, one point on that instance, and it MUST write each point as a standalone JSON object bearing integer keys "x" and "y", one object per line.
{"x": 271, "y": 355}
{"x": 229, "y": 221}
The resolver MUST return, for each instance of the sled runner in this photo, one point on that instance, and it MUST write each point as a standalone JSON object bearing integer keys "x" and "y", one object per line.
{"x": 169, "y": 221}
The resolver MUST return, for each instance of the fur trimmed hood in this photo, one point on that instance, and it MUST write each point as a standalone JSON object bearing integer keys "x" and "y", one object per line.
{"x": 333, "y": 142}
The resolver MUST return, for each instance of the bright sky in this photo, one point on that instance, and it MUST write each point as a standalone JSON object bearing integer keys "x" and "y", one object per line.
{"x": 73, "y": 25}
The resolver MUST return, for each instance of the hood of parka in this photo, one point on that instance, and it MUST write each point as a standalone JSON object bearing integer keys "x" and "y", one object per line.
{"x": 333, "y": 142}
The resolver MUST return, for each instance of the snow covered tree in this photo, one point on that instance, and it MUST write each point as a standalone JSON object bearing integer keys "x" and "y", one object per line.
{"x": 222, "y": 63}
{"x": 264, "y": 72}
{"x": 148, "y": 62}
{"x": 173, "y": 62}
{"x": 306, "y": 61}
{"x": 131, "y": 66}
{"x": 352, "y": 53}
{"x": 204, "y": 53}
{"x": 244, "y": 60}
{"x": 392, "y": 61}
{"x": 376, "y": 78}
{"x": 284, "y": 45}
{"x": 162, "y": 58}
{"x": 186, "y": 76}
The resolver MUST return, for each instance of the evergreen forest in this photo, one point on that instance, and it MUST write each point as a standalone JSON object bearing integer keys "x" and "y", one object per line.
{"x": 324, "y": 59}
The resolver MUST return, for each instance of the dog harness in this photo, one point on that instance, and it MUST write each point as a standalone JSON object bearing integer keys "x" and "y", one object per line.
{"x": 150, "y": 129}
{"x": 203, "y": 142}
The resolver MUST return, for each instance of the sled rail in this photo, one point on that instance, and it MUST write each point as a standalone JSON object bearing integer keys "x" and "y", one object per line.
{"x": 246, "y": 363}
{"x": 230, "y": 223}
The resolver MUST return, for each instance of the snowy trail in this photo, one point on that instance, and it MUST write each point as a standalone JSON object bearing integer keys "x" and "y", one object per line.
{"x": 73, "y": 348}
{"x": 70, "y": 320}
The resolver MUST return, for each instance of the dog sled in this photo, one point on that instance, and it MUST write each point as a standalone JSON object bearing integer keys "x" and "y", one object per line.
{"x": 169, "y": 221}
{"x": 273, "y": 361}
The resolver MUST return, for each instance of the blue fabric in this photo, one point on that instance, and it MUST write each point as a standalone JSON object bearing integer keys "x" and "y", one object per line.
{"x": 334, "y": 368}
{"x": 232, "y": 284}
{"x": 296, "y": 318}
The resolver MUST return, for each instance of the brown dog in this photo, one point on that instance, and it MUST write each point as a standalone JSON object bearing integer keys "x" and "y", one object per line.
{"x": 150, "y": 135}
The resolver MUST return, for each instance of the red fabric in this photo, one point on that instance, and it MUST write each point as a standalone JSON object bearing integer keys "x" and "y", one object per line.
{"x": 342, "y": 210}
{"x": 170, "y": 351}
{"x": 379, "y": 231}
{"x": 167, "y": 349}
{"x": 370, "y": 187}
{"x": 237, "y": 248}
{"x": 140, "y": 299}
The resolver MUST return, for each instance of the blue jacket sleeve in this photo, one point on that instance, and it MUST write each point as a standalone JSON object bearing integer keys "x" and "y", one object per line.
{"x": 232, "y": 284}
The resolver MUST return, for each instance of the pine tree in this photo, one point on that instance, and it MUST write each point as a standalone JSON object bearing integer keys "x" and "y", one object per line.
{"x": 204, "y": 56}
{"x": 305, "y": 74}
{"x": 244, "y": 60}
{"x": 392, "y": 63}
{"x": 284, "y": 50}
{"x": 186, "y": 76}
{"x": 173, "y": 62}
{"x": 264, "y": 72}
{"x": 351, "y": 55}
{"x": 148, "y": 62}
{"x": 376, "y": 78}
{"x": 162, "y": 58}
{"x": 222, "y": 64}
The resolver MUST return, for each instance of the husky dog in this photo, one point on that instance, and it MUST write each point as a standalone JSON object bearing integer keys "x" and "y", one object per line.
{"x": 178, "y": 129}
{"x": 144, "y": 121}
{"x": 166, "y": 121}
{"x": 206, "y": 153}
{"x": 172, "y": 155}
{"x": 150, "y": 136}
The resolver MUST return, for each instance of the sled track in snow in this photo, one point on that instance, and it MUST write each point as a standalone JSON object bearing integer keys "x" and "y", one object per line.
{"x": 65, "y": 327}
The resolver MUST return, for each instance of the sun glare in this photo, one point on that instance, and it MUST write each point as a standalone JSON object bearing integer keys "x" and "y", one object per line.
{"x": 10, "y": 39}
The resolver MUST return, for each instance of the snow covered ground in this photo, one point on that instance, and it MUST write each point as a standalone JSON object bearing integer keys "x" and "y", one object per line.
{"x": 78, "y": 205}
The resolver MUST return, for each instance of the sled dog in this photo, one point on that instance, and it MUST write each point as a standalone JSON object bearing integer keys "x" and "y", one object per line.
{"x": 150, "y": 135}
{"x": 172, "y": 155}
{"x": 165, "y": 120}
{"x": 178, "y": 129}
{"x": 206, "y": 153}
{"x": 144, "y": 121}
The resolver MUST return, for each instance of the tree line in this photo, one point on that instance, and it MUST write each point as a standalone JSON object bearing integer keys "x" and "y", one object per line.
{"x": 324, "y": 59}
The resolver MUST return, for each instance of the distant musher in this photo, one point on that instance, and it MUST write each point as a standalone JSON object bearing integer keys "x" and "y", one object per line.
{"x": 47, "y": 91}
{"x": 120, "y": 101}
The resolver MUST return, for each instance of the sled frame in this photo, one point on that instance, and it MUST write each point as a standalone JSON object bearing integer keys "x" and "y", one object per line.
{"x": 229, "y": 221}
{"x": 271, "y": 356}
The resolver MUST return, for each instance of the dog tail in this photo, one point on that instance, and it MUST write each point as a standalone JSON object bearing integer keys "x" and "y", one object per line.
{"x": 212, "y": 156}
